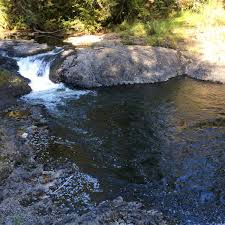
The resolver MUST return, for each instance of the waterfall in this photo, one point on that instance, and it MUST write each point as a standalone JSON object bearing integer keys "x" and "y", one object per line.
{"x": 37, "y": 68}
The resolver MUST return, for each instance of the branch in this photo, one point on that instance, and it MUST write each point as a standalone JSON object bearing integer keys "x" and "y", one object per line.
{"x": 46, "y": 32}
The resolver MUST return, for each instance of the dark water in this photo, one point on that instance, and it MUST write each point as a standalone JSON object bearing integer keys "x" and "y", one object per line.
{"x": 162, "y": 144}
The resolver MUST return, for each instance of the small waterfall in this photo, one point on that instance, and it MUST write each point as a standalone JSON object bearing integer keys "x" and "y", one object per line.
{"x": 37, "y": 68}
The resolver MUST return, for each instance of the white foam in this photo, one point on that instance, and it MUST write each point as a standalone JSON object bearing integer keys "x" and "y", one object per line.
{"x": 55, "y": 96}
{"x": 37, "y": 68}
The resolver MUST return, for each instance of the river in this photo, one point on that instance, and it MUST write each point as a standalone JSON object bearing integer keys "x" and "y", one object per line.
{"x": 162, "y": 144}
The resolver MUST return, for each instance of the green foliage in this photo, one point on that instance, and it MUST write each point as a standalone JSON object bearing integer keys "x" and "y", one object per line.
{"x": 54, "y": 14}
{"x": 89, "y": 15}
{"x": 176, "y": 28}
{"x": 160, "y": 32}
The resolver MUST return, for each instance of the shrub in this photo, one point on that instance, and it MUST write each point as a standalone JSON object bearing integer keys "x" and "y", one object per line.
{"x": 89, "y": 15}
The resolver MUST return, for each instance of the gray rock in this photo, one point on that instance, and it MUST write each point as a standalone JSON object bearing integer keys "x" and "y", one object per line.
{"x": 120, "y": 212}
{"x": 8, "y": 64}
{"x": 201, "y": 69}
{"x": 57, "y": 63}
{"x": 12, "y": 84}
{"x": 22, "y": 48}
{"x": 117, "y": 65}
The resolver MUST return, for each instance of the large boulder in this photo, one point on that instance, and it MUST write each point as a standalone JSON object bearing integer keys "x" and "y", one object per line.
{"x": 116, "y": 65}
{"x": 22, "y": 48}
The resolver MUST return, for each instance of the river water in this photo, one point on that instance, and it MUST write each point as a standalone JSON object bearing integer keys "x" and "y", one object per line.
{"x": 161, "y": 144}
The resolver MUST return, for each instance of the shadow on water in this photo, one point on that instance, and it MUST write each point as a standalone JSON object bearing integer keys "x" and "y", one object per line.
{"x": 162, "y": 144}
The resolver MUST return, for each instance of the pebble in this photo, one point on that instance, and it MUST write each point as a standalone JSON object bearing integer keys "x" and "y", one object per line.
{"x": 24, "y": 135}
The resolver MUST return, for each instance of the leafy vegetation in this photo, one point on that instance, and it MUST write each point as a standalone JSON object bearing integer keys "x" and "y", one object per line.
{"x": 155, "y": 22}
{"x": 177, "y": 27}
{"x": 86, "y": 15}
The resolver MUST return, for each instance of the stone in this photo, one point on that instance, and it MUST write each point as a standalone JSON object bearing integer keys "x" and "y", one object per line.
{"x": 22, "y": 48}
{"x": 117, "y": 65}
{"x": 12, "y": 85}
{"x": 8, "y": 63}
{"x": 201, "y": 69}
{"x": 24, "y": 135}
{"x": 124, "y": 65}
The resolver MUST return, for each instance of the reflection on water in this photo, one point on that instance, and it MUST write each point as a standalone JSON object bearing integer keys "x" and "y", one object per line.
{"x": 162, "y": 144}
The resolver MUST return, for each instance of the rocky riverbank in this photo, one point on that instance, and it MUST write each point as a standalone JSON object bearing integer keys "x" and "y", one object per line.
{"x": 27, "y": 186}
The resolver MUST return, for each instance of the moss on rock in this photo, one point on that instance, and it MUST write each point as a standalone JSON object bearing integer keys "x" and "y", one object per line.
{"x": 12, "y": 85}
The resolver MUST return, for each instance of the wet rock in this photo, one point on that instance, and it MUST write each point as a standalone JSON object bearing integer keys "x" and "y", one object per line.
{"x": 22, "y": 48}
{"x": 117, "y": 65}
{"x": 8, "y": 64}
{"x": 17, "y": 114}
{"x": 121, "y": 212}
{"x": 12, "y": 85}
{"x": 19, "y": 170}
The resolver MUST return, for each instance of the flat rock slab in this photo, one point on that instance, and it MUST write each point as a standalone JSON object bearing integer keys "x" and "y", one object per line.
{"x": 206, "y": 70}
{"x": 22, "y": 48}
{"x": 117, "y": 65}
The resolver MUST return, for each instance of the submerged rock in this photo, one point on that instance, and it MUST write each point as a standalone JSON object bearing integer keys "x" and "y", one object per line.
{"x": 117, "y": 65}
{"x": 22, "y": 48}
